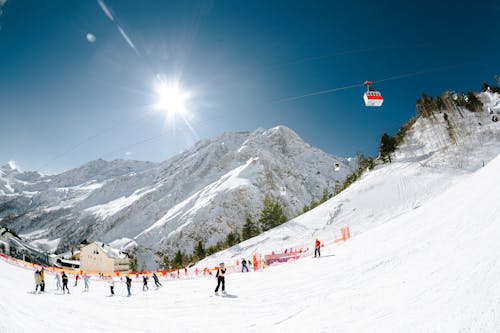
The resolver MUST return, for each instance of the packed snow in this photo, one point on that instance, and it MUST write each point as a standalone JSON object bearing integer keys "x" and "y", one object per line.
{"x": 423, "y": 257}
{"x": 434, "y": 268}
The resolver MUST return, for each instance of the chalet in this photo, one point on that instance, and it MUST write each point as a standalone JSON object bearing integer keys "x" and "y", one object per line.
{"x": 99, "y": 257}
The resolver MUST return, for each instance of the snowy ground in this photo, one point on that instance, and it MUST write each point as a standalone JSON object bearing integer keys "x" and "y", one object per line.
{"x": 433, "y": 268}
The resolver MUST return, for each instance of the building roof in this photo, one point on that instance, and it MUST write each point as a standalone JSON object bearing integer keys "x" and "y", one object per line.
{"x": 111, "y": 252}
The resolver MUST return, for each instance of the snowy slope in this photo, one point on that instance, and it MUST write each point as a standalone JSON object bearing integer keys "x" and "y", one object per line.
{"x": 207, "y": 191}
{"x": 434, "y": 268}
{"x": 472, "y": 141}
{"x": 426, "y": 163}
{"x": 201, "y": 194}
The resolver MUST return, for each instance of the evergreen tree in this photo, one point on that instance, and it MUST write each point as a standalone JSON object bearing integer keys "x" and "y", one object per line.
{"x": 178, "y": 260}
{"x": 314, "y": 204}
{"x": 165, "y": 263}
{"x": 278, "y": 214}
{"x": 200, "y": 250}
{"x": 326, "y": 195}
{"x": 249, "y": 229}
{"x": 266, "y": 216}
{"x": 232, "y": 238}
{"x": 272, "y": 215}
{"x": 387, "y": 146}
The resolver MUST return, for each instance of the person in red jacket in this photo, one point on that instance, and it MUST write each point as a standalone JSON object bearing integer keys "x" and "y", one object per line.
{"x": 317, "y": 247}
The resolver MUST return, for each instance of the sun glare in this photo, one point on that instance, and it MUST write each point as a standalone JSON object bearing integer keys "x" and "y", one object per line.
{"x": 171, "y": 100}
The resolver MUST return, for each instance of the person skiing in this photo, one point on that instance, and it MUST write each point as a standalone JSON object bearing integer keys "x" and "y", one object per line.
{"x": 65, "y": 282}
{"x": 76, "y": 279}
{"x": 111, "y": 283}
{"x": 244, "y": 265}
{"x": 221, "y": 271}
{"x": 58, "y": 281}
{"x": 38, "y": 281}
{"x": 157, "y": 283}
{"x": 129, "y": 284}
{"x": 144, "y": 283}
{"x": 86, "y": 280}
{"x": 317, "y": 247}
{"x": 42, "y": 277}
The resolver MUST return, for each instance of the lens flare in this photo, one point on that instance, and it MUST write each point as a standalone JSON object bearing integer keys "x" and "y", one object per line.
{"x": 173, "y": 102}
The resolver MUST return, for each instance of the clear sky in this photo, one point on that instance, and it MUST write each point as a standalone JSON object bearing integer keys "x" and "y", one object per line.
{"x": 79, "y": 80}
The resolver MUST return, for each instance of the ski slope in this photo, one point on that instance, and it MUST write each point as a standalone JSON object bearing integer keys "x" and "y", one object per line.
{"x": 434, "y": 268}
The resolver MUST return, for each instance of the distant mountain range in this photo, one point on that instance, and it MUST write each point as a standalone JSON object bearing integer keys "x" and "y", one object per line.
{"x": 201, "y": 194}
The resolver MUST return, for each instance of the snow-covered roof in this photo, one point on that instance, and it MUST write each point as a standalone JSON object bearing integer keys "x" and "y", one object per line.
{"x": 111, "y": 251}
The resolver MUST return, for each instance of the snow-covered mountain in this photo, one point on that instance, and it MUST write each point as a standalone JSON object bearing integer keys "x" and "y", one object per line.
{"x": 201, "y": 194}
{"x": 426, "y": 163}
{"x": 424, "y": 257}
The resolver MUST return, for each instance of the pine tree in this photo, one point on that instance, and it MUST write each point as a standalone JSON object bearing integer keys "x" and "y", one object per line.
{"x": 278, "y": 215}
{"x": 272, "y": 215}
{"x": 200, "y": 250}
{"x": 249, "y": 229}
{"x": 165, "y": 263}
{"x": 266, "y": 216}
{"x": 326, "y": 195}
{"x": 387, "y": 146}
{"x": 178, "y": 259}
{"x": 232, "y": 238}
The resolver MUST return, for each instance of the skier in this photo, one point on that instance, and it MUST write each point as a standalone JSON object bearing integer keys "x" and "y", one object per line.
{"x": 220, "y": 278}
{"x": 144, "y": 283}
{"x": 157, "y": 283}
{"x": 38, "y": 281}
{"x": 58, "y": 281}
{"x": 111, "y": 283}
{"x": 42, "y": 277}
{"x": 317, "y": 247}
{"x": 129, "y": 284}
{"x": 65, "y": 282}
{"x": 86, "y": 280}
{"x": 244, "y": 265}
{"x": 76, "y": 279}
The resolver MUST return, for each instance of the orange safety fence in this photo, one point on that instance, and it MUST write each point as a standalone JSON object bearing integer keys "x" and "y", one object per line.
{"x": 257, "y": 262}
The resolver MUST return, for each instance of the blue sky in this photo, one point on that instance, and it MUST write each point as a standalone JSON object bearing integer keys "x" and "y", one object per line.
{"x": 65, "y": 100}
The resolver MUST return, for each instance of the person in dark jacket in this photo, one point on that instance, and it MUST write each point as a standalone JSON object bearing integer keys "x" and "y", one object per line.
{"x": 244, "y": 265}
{"x": 157, "y": 283}
{"x": 221, "y": 271}
{"x": 144, "y": 283}
{"x": 129, "y": 284}
{"x": 65, "y": 282}
{"x": 111, "y": 283}
{"x": 42, "y": 276}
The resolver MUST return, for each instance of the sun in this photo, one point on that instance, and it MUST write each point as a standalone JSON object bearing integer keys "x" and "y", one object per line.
{"x": 171, "y": 100}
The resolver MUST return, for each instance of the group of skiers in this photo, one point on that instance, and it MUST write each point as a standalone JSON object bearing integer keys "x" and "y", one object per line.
{"x": 62, "y": 277}
{"x": 220, "y": 276}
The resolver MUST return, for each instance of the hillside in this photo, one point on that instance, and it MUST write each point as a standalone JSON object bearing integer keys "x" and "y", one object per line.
{"x": 432, "y": 268}
{"x": 426, "y": 163}
{"x": 199, "y": 195}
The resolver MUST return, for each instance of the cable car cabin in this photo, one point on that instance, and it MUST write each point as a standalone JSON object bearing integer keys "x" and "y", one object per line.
{"x": 373, "y": 98}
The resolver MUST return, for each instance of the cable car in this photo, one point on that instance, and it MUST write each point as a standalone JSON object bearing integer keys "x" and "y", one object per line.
{"x": 371, "y": 96}
{"x": 336, "y": 167}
